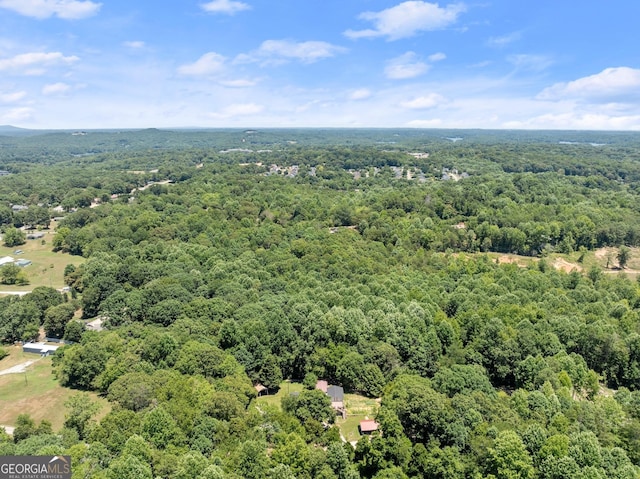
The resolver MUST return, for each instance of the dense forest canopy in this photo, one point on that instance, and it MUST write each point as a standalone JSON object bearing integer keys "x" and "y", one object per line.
{"x": 222, "y": 260}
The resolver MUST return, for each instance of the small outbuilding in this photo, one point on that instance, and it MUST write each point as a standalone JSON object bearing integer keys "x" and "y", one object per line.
{"x": 261, "y": 389}
{"x": 368, "y": 426}
{"x": 43, "y": 349}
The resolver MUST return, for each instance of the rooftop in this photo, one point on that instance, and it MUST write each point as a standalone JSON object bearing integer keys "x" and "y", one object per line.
{"x": 368, "y": 425}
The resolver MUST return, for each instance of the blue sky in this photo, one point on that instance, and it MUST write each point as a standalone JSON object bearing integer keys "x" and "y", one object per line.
{"x": 561, "y": 64}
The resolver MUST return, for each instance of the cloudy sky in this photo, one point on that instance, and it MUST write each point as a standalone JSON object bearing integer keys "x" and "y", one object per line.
{"x": 550, "y": 64}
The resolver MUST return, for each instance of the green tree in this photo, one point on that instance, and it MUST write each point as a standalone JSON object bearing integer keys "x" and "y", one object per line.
{"x": 80, "y": 409}
{"x": 13, "y": 274}
{"x": 56, "y": 319}
{"x": 44, "y": 297}
{"x": 14, "y": 237}
{"x": 137, "y": 447}
{"x": 270, "y": 374}
{"x": 509, "y": 459}
{"x": 77, "y": 366}
{"x": 129, "y": 467}
{"x": 191, "y": 465}
{"x": 25, "y": 427}
{"x": 294, "y": 452}
{"x": 159, "y": 428}
{"x": 623, "y": 256}
{"x": 18, "y": 320}
{"x": 436, "y": 462}
{"x": 310, "y": 405}
{"x": 252, "y": 461}
{"x": 73, "y": 331}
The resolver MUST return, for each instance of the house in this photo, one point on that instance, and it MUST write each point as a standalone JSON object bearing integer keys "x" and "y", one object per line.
{"x": 43, "y": 349}
{"x": 336, "y": 393}
{"x": 368, "y": 426}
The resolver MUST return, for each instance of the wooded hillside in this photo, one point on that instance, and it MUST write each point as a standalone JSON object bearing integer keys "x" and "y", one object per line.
{"x": 375, "y": 260}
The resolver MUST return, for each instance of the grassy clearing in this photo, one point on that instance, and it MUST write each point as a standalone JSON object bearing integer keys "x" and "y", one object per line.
{"x": 286, "y": 388}
{"x": 350, "y": 427}
{"x": 16, "y": 356}
{"x": 47, "y": 268}
{"x": 35, "y": 392}
{"x": 358, "y": 408}
{"x": 360, "y": 405}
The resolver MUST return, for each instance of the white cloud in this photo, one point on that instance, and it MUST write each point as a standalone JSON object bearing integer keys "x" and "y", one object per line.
{"x": 55, "y": 89}
{"x": 360, "y": 94}
{"x": 65, "y": 9}
{"x": 578, "y": 121}
{"x": 209, "y": 64}
{"x": 35, "y": 63}
{"x": 408, "y": 19}
{"x": 424, "y": 102}
{"x": 437, "y": 57}
{"x": 434, "y": 123}
{"x": 240, "y": 83}
{"x": 611, "y": 82}
{"x": 482, "y": 64}
{"x": 17, "y": 115}
{"x": 528, "y": 62}
{"x": 135, "y": 44}
{"x": 503, "y": 41}
{"x": 239, "y": 109}
{"x": 228, "y": 7}
{"x": 405, "y": 66}
{"x": 279, "y": 51}
{"x": 12, "y": 97}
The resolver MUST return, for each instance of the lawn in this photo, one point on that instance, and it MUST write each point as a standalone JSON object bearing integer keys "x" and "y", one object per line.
{"x": 358, "y": 408}
{"x": 35, "y": 391}
{"x": 350, "y": 427}
{"x": 286, "y": 388}
{"x": 47, "y": 268}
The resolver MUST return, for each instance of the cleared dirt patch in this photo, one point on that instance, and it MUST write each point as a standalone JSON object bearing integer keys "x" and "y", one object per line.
{"x": 564, "y": 265}
{"x": 508, "y": 259}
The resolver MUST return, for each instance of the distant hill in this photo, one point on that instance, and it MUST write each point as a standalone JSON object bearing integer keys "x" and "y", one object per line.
{"x": 9, "y": 130}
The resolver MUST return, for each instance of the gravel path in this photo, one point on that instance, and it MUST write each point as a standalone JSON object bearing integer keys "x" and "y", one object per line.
{"x": 18, "y": 368}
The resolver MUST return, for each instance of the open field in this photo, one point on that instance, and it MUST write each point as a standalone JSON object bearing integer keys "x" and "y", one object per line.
{"x": 47, "y": 268}
{"x": 358, "y": 408}
{"x": 35, "y": 392}
{"x": 569, "y": 262}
